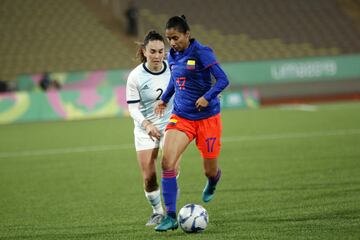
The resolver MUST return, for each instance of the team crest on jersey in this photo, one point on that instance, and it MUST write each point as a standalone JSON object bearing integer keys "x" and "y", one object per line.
{"x": 190, "y": 64}
{"x": 172, "y": 121}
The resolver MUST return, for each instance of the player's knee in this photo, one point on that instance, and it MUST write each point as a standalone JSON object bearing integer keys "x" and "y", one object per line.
{"x": 167, "y": 163}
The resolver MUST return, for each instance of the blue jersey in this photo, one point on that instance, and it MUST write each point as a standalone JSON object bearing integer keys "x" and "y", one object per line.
{"x": 191, "y": 72}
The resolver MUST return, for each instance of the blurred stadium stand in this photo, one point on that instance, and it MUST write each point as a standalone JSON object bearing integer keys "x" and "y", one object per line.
{"x": 74, "y": 35}
{"x": 57, "y": 36}
{"x": 241, "y": 30}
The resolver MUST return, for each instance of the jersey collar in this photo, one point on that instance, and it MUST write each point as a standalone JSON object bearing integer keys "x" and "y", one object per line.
{"x": 155, "y": 73}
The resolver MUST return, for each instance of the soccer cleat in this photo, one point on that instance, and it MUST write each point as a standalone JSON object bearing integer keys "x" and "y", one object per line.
{"x": 166, "y": 224}
{"x": 155, "y": 219}
{"x": 208, "y": 192}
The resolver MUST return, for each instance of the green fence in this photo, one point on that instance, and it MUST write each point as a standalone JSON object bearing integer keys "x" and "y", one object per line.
{"x": 102, "y": 93}
{"x": 86, "y": 103}
{"x": 293, "y": 70}
{"x": 75, "y": 80}
{"x": 65, "y": 105}
{"x": 239, "y": 73}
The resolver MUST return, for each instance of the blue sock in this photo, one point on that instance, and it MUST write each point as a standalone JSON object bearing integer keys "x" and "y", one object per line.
{"x": 169, "y": 187}
{"x": 214, "y": 180}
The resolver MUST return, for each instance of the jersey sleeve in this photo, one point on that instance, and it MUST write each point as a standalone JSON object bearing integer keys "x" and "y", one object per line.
{"x": 132, "y": 92}
{"x": 221, "y": 82}
{"x": 208, "y": 60}
{"x": 170, "y": 90}
{"x": 134, "y": 110}
{"x": 133, "y": 99}
{"x": 207, "y": 57}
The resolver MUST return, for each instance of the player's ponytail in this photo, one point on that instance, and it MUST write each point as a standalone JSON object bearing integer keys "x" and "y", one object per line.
{"x": 152, "y": 35}
{"x": 179, "y": 23}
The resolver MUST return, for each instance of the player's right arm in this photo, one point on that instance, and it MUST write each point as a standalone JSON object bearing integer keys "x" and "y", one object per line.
{"x": 133, "y": 101}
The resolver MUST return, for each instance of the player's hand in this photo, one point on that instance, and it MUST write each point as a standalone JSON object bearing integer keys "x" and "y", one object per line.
{"x": 153, "y": 131}
{"x": 160, "y": 107}
{"x": 201, "y": 103}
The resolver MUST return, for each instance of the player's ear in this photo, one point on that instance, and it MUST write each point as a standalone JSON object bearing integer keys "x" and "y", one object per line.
{"x": 143, "y": 50}
{"x": 187, "y": 34}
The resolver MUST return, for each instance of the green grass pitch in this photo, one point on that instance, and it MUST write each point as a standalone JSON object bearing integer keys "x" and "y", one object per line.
{"x": 287, "y": 174}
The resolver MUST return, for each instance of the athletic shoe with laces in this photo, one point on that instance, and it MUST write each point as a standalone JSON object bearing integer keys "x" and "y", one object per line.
{"x": 155, "y": 219}
{"x": 208, "y": 192}
{"x": 166, "y": 224}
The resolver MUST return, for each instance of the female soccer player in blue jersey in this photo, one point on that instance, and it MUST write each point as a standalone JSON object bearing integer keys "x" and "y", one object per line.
{"x": 196, "y": 113}
{"x": 145, "y": 86}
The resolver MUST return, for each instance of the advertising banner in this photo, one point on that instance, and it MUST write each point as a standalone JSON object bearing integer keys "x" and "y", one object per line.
{"x": 66, "y": 104}
{"x": 87, "y": 103}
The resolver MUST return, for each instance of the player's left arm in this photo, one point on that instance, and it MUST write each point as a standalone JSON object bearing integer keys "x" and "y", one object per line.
{"x": 221, "y": 82}
{"x": 208, "y": 59}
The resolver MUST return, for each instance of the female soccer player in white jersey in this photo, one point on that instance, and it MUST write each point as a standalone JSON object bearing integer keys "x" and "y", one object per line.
{"x": 145, "y": 85}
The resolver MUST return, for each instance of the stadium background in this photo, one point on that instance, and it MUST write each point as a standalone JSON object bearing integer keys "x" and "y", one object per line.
{"x": 290, "y": 171}
{"x": 276, "y": 51}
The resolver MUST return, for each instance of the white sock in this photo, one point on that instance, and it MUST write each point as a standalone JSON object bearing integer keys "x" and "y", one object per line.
{"x": 154, "y": 199}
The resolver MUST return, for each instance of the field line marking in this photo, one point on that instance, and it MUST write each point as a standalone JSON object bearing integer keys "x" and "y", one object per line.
{"x": 43, "y": 152}
{"x": 291, "y": 135}
{"x": 299, "y": 107}
{"x": 100, "y": 148}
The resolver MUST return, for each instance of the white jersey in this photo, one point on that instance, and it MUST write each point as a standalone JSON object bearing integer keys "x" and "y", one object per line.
{"x": 146, "y": 87}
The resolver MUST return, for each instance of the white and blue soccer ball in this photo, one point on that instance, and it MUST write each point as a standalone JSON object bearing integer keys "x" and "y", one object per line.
{"x": 193, "y": 218}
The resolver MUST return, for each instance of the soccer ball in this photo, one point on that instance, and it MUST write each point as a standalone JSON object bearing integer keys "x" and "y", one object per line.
{"x": 193, "y": 218}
